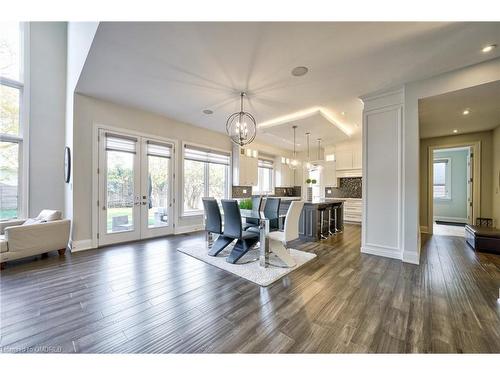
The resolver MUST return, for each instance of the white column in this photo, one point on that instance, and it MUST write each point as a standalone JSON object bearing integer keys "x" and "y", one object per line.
{"x": 383, "y": 179}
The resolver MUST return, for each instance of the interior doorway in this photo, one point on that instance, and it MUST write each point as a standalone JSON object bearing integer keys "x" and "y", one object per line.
{"x": 453, "y": 188}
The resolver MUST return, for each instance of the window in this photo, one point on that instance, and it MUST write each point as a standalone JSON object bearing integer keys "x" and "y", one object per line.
{"x": 265, "y": 182}
{"x": 442, "y": 179}
{"x": 206, "y": 174}
{"x": 13, "y": 124}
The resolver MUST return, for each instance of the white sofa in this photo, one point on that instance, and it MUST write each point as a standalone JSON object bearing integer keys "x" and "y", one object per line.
{"x": 24, "y": 238}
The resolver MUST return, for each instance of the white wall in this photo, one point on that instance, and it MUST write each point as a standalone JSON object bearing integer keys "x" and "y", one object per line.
{"x": 79, "y": 40}
{"x": 47, "y": 115}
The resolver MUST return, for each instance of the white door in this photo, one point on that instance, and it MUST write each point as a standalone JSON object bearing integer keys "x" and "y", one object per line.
{"x": 135, "y": 188}
{"x": 156, "y": 188}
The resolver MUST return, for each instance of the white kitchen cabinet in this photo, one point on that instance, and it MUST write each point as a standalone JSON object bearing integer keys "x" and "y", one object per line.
{"x": 357, "y": 160}
{"x": 245, "y": 168}
{"x": 330, "y": 175}
{"x": 284, "y": 174}
{"x": 348, "y": 157}
{"x": 353, "y": 210}
{"x": 343, "y": 157}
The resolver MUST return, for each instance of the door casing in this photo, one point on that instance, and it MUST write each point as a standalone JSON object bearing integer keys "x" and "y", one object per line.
{"x": 476, "y": 180}
{"x": 95, "y": 176}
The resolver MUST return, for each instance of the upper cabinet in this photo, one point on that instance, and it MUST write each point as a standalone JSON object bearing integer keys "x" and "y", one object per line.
{"x": 284, "y": 174}
{"x": 245, "y": 166}
{"x": 348, "y": 158}
{"x": 330, "y": 174}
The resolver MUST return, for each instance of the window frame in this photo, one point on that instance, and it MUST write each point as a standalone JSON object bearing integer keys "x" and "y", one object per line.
{"x": 260, "y": 172}
{"x": 22, "y": 139}
{"x": 206, "y": 178}
{"x": 447, "y": 178}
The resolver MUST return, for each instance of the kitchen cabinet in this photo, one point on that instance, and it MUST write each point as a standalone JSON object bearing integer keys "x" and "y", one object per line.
{"x": 330, "y": 175}
{"x": 283, "y": 173}
{"x": 353, "y": 210}
{"x": 357, "y": 159}
{"x": 349, "y": 161}
{"x": 245, "y": 167}
{"x": 343, "y": 159}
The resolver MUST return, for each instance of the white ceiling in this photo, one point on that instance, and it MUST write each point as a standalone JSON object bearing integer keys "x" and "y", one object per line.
{"x": 440, "y": 115}
{"x": 179, "y": 69}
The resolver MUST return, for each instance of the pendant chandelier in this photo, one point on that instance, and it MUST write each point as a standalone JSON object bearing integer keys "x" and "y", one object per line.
{"x": 294, "y": 163}
{"x": 241, "y": 126}
{"x": 308, "y": 164}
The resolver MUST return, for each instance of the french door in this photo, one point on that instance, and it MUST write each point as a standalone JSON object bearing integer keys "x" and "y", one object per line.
{"x": 135, "y": 187}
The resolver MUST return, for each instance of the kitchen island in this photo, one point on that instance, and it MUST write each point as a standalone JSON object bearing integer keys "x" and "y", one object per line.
{"x": 310, "y": 219}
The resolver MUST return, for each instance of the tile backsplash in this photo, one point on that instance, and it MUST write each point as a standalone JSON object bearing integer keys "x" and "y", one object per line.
{"x": 295, "y": 191}
{"x": 349, "y": 187}
{"x": 242, "y": 192}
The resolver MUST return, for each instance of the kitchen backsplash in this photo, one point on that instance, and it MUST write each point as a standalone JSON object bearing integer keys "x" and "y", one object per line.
{"x": 242, "y": 192}
{"x": 295, "y": 191}
{"x": 349, "y": 187}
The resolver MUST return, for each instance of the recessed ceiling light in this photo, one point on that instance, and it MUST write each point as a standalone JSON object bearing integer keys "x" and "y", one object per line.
{"x": 342, "y": 113}
{"x": 208, "y": 111}
{"x": 299, "y": 71}
{"x": 489, "y": 48}
{"x": 466, "y": 112}
{"x": 455, "y": 131}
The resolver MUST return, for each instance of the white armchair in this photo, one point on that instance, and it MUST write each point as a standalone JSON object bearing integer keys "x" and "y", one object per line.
{"x": 24, "y": 238}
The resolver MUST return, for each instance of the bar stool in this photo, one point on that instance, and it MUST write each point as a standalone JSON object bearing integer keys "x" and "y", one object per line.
{"x": 337, "y": 221}
{"x": 321, "y": 222}
{"x": 330, "y": 221}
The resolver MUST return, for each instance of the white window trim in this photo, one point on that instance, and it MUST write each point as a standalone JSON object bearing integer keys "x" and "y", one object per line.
{"x": 24, "y": 115}
{"x": 199, "y": 213}
{"x": 447, "y": 182}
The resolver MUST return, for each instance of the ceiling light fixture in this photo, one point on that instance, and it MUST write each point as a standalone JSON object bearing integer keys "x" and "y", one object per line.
{"x": 342, "y": 113}
{"x": 489, "y": 48}
{"x": 455, "y": 131}
{"x": 466, "y": 112}
{"x": 208, "y": 111}
{"x": 241, "y": 126}
{"x": 299, "y": 71}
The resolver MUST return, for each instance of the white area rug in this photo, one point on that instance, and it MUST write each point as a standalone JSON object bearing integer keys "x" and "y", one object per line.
{"x": 250, "y": 271}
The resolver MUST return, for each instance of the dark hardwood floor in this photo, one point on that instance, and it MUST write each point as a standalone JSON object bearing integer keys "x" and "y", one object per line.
{"x": 148, "y": 297}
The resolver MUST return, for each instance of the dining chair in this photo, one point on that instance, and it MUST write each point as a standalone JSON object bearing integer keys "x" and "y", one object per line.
{"x": 278, "y": 241}
{"x": 256, "y": 206}
{"x": 213, "y": 224}
{"x": 272, "y": 209}
{"x": 233, "y": 229}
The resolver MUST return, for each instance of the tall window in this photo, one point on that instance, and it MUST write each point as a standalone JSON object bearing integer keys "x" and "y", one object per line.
{"x": 206, "y": 174}
{"x": 265, "y": 183}
{"x": 442, "y": 179}
{"x": 13, "y": 127}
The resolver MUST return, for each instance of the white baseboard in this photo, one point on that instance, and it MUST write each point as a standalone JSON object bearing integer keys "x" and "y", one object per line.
{"x": 381, "y": 251}
{"x": 188, "y": 228}
{"x": 81, "y": 245}
{"x": 411, "y": 257}
{"x": 451, "y": 219}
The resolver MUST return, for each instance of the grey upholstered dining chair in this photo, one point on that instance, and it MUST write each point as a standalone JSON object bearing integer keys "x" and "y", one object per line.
{"x": 272, "y": 209}
{"x": 213, "y": 224}
{"x": 233, "y": 229}
{"x": 257, "y": 203}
